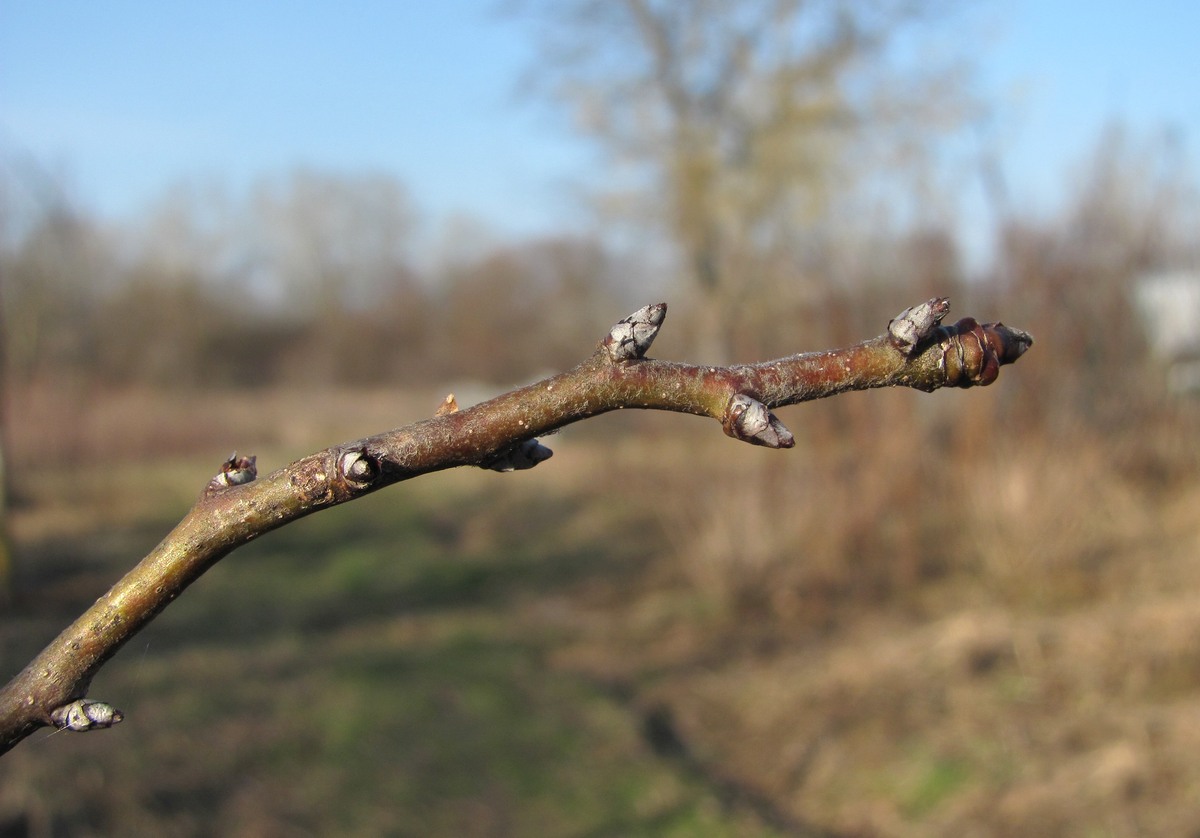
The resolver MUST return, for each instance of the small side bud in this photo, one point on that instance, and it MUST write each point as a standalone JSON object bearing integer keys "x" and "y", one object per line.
{"x": 358, "y": 468}
{"x": 630, "y": 338}
{"x": 914, "y": 325}
{"x": 84, "y": 715}
{"x": 749, "y": 420}
{"x": 234, "y": 472}
{"x": 448, "y": 406}
{"x": 519, "y": 457}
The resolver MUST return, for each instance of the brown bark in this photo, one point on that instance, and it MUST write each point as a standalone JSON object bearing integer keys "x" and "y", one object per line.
{"x": 915, "y": 351}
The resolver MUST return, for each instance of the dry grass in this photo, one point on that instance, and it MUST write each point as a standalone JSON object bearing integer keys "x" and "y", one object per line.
{"x": 974, "y": 630}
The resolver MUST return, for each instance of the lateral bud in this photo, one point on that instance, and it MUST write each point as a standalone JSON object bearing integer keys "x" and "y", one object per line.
{"x": 358, "y": 468}
{"x": 85, "y": 714}
{"x": 519, "y": 457}
{"x": 630, "y": 338}
{"x": 749, "y": 420}
{"x": 914, "y": 325}
{"x": 449, "y": 405}
{"x": 234, "y": 472}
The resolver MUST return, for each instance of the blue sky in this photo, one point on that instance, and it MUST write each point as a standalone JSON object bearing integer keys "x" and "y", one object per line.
{"x": 126, "y": 99}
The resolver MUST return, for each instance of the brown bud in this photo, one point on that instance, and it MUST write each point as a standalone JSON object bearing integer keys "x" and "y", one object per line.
{"x": 525, "y": 454}
{"x": 974, "y": 352}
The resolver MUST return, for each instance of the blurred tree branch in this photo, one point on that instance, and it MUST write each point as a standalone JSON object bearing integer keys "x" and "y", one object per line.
{"x": 915, "y": 351}
{"x": 740, "y": 120}
{"x": 6, "y": 566}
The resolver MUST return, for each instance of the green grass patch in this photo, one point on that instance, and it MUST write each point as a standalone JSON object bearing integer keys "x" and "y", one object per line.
{"x": 373, "y": 669}
{"x": 935, "y": 782}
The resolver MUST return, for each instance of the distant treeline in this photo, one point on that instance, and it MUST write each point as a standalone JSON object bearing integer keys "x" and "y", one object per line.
{"x": 313, "y": 279}
{"x": 310, "y": 280}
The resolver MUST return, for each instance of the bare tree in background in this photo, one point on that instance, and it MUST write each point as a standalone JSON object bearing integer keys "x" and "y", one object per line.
{"x": 735, "y": 121}
{"x": 489, "y": 299}
{"x": 6, "y": 568}
{"x": 336, "y": 246}
{"x": 335, "y": 240}
{"x": 18, "y": 177}
{"x": 1134, "y": 210}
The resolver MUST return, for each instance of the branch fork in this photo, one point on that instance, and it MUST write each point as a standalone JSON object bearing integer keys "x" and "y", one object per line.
{"x": 237, "y": 505}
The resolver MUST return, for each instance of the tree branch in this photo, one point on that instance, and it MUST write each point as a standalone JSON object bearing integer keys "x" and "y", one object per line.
{"x": 916, "y": 351}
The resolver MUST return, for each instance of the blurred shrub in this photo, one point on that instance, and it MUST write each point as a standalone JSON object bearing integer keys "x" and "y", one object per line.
{"x": 307, "y": 282}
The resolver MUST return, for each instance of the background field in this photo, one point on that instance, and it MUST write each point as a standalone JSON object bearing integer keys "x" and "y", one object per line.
{"x": 656, "y": 632}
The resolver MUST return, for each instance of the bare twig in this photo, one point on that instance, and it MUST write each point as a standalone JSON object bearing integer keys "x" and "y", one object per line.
{"x": 235, "y": 507}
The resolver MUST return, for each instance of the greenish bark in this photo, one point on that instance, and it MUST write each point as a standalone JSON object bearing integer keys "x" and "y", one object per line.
{"x": 915, "y": 351}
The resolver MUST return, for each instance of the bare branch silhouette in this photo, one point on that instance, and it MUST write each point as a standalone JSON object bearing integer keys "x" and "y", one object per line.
{"x": 236, "y": 506}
